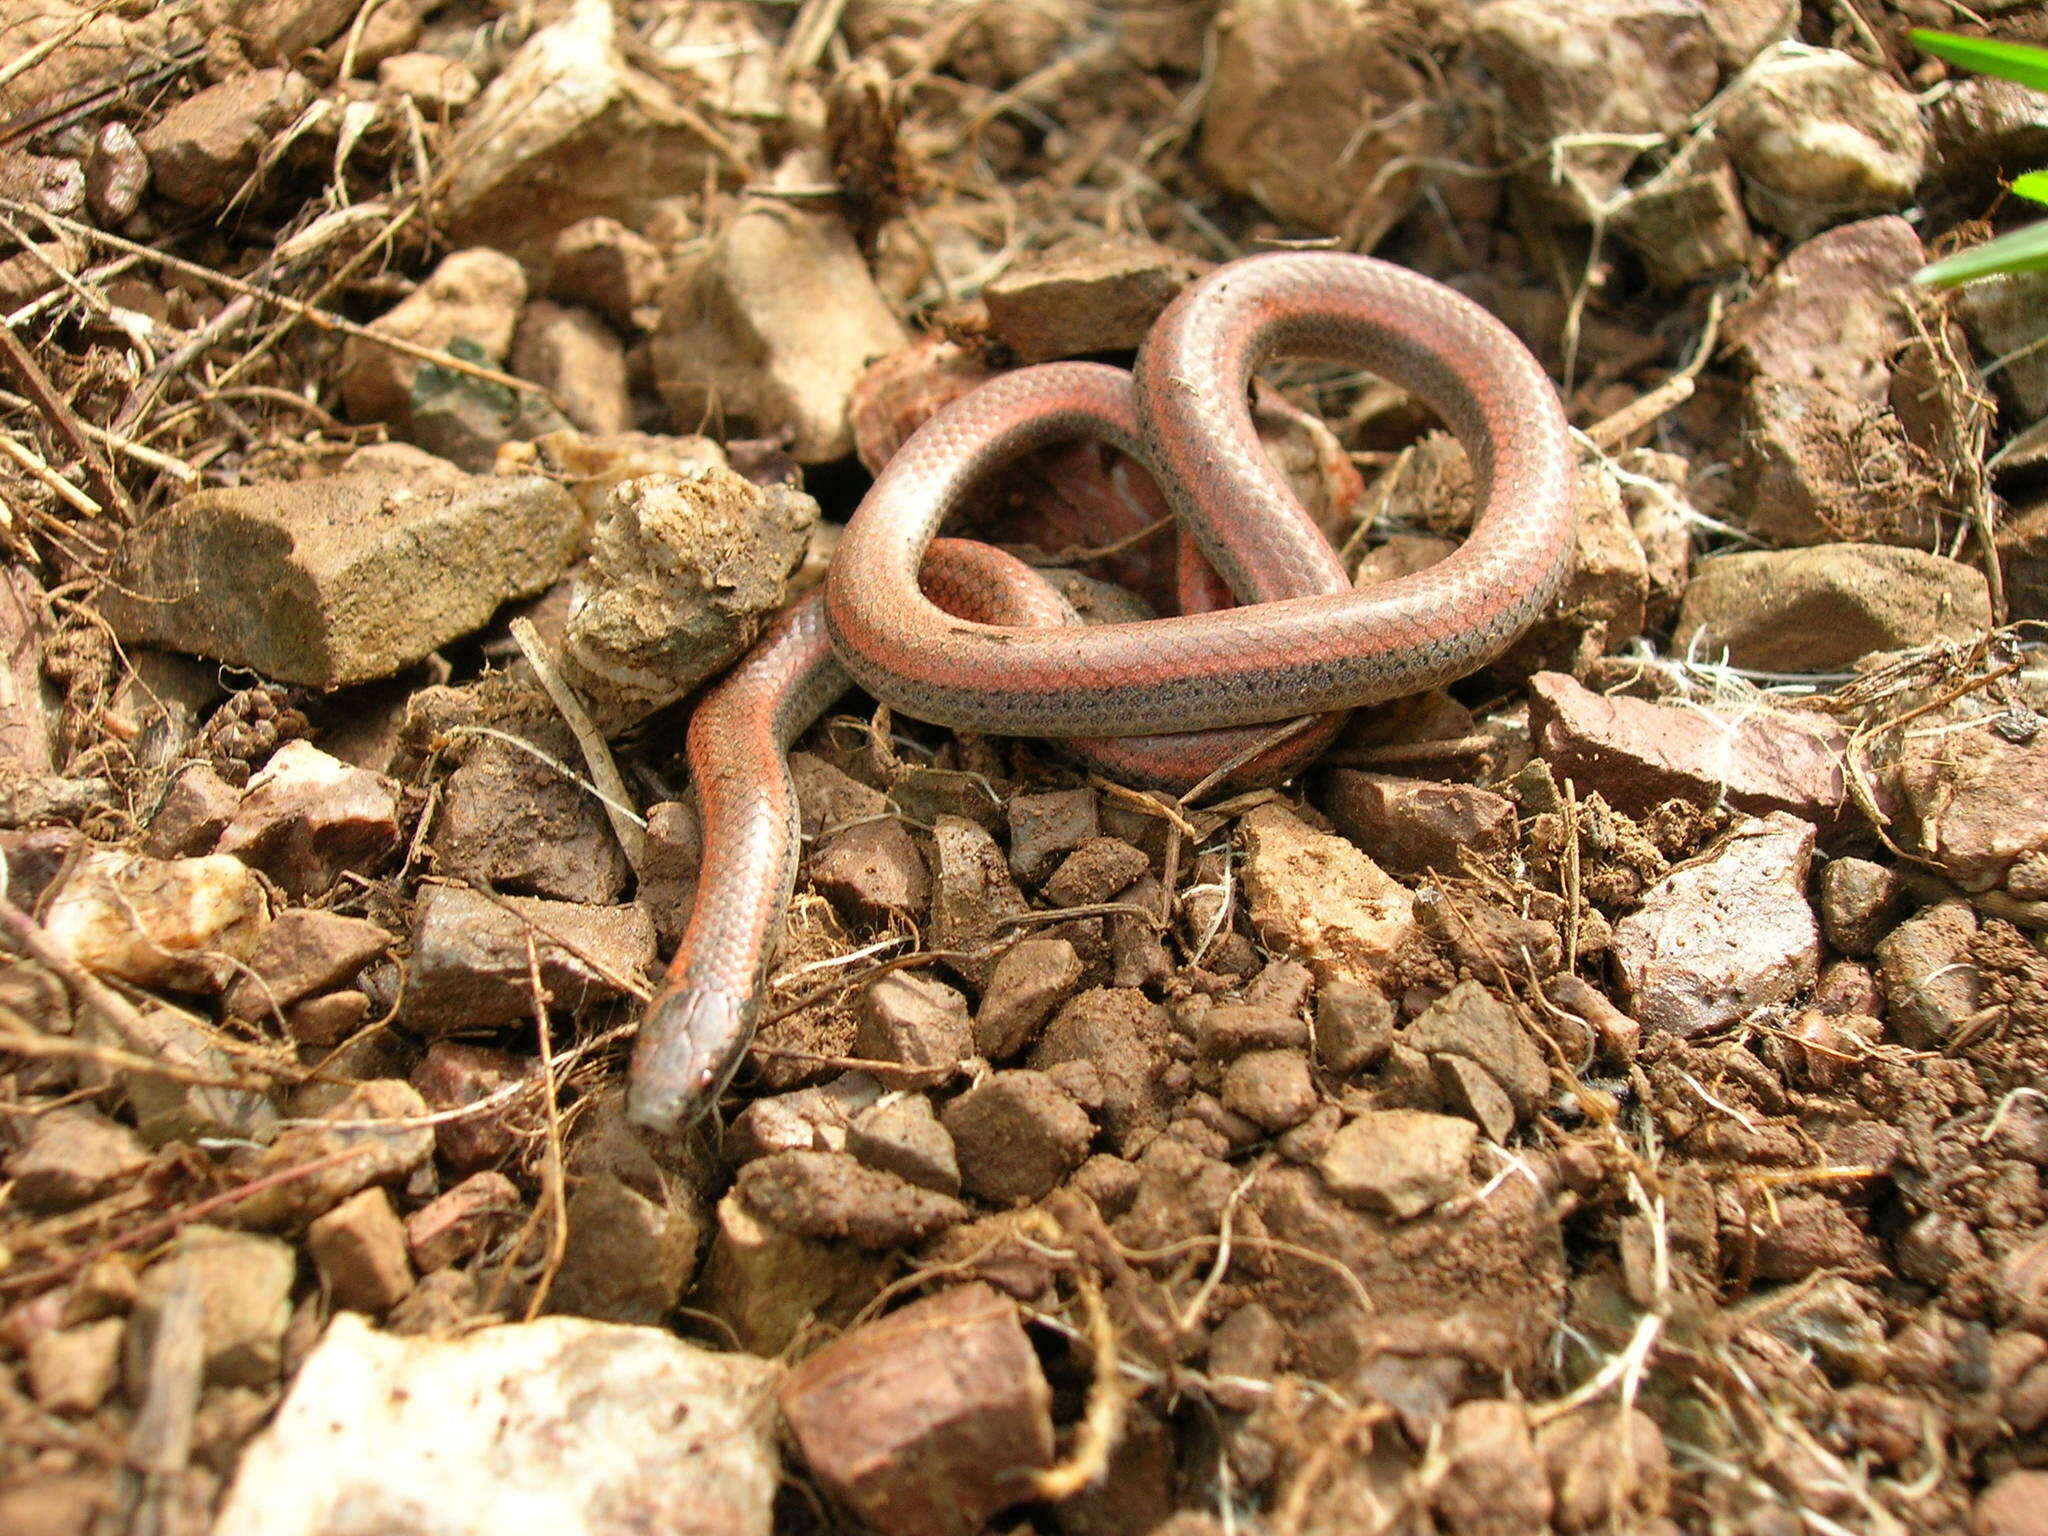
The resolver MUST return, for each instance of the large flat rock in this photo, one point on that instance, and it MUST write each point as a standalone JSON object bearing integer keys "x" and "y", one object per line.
{"x": 337, "y": 581}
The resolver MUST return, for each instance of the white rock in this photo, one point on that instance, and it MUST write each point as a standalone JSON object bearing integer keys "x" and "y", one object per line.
{"x": 563, "y": 1426}
{"x": 175, "y": 923}
{"x": 1717, "y": 940}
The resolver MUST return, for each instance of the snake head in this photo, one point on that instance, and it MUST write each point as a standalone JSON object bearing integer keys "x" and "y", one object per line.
{"x": 690, "y": 1046}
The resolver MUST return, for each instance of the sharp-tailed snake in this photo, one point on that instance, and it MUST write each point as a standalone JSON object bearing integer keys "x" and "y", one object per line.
{"x": 963, "y": 635}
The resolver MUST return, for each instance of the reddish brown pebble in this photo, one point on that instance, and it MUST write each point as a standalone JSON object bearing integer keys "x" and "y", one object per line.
{"x": 1017, "y": 1136}
{"x": 1095, "y": 871}
{"x": 359, "y": 1248}
{"x": 927, "y": 1422}
{"x": 1045, "y": 828}
{"x": 1272, "y": 1089}
{"x": 1032, "y": 978}
{"x": 456, "y": 1223}
{"x": 873, "y": 872}
{"x": 1414, "y": 826}
{"x": 916, "y": 1021}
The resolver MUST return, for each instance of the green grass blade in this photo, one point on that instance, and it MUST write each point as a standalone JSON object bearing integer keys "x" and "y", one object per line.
{"x": 2024, "y": 250}
{"x": 1987, "y": 56}
{"x": 2033, "y": 186}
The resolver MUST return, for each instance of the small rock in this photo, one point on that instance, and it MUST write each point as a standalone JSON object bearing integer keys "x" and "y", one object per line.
{"x": 1245, "y": 1347}
{"x": 377, "y": 1126}
{"x": 511, "y": 822}
{"x": 1085, "y": 294}
{"x": 1835, "y": 311}
{"x": 179, "y": 924}
{"x": 1354, "y": 1026}
{"x": 1229, "y": 1030}
{"x": 1812, "y": 1233}
{"x": 631, "y": 1252}
{"x": 167, "y": 1110}
{"x": 1289, "y": 89}
{"x": 1400, "y": 1161}
{"x": 438, "y": 87}
{"x": 1475, "y": 1093}
{"x": 1687, "y": 223}
{"x": 828, "y": 799}
{"x": 469, "y": 304}
{"x": 116, "y": 175}
{"x": 1031, "y": 978}
{"x": 773, "y": 326}
{"x": 873, "y": 873}
{"x": 1720, "y": 938}
{"x": 442, "y": 1304}
{"x": 204, "y": 148}
{"x": 1596, "y": 67}
{"x": 810, "y": 1119}
{"x": 1637, "y": 755}
{"x": 1129, "y": 1041}
{"x": 1977, "y": 805}
{"x": 2020, "y": 1287}
{"x": 546, "y": 1421}
{"x": 681, "y": 569}
{"x": 1095, "y": 871}
{"x": 72, "y": 1157}
{"x": 244, "y": 1284}
{"x": 1316, "y": 895}
{"x": 303, "y": 951}
{"x": 453, "y": 1075}
{"x": 1818, "y": 136}
{"x": 1930, "y": 983}
{"x": 929, "y": 1421}
{"x": 381, "y": 570}
{"x": 567, "y": 129}
{"x": 2015, "y": 1505}
{"x": 1603, "y": 1477}
{"x": 603, "y": 265}
{"x": 458, "y": 1222}
{"x": 1492, "y": 1480}
{"x": 829, "y": 1195}
{"x": 1818, "y": 466}
{"x": 1483, "y": 936}
{"x": 578, "y": 360}
{"x": 1615, "y": 1033}
{"x": 360, "y": 1250}
{"x": 1415, "y": 826}
{"x": 192, "y": 814}
{"x": 1044, "y": 828}
{"x": 1470, "y": 1021}
{"x": 469, "y": 961}
{"x": 2002, "y": 315}
{"x": 1272, "y": 1089}
{"x": 1858, "y": 901}
{"x": 1016, "y": 1135}
{"x": 972, "y": 892}
{"x": 73, "y": 1371}
{"x": 771, "y": 1286}
{"x": 306, "y": 817}
{"x": 1824, "y": 608}
{"x": 914, "y": 1020}
{"x": 902, "y": 1135}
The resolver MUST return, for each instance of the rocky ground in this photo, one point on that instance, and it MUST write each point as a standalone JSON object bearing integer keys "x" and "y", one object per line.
{"x": 1610, "y": 1095}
